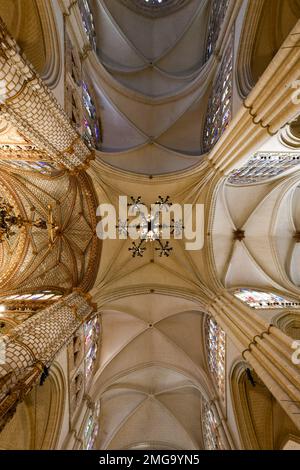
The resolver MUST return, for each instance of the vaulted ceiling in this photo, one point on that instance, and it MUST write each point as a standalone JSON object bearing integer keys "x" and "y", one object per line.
{"x": 152, "y": 83}
{"x": 152, "y": 90}
{"x": 268, "y": 214}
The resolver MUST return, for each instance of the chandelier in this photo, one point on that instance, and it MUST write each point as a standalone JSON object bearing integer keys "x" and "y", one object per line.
{"x": 10, "y": 222}
{"x": 150, "y": 228}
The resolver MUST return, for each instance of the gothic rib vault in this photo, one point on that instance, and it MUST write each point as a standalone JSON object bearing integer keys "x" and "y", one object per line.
{"x": 149, "y": 74}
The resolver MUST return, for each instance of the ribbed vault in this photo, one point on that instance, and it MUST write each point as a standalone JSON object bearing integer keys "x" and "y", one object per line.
{"x": 268, "y": 216}
{"x": 152, "y": 85}
{"x": 152, "y": 374}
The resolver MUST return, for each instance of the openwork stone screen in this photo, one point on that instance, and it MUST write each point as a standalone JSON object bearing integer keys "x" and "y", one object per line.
{"x": 264, "y": 166}
{"x": 211, "y": 436}
{"x": 264, "y": 300}
{"x": 216, "y": 353}
{"x": 219, "y": 110}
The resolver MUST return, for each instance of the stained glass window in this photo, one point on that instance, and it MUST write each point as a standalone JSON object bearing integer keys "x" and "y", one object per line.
{"x": 92, "y": 337}
{"x": 263, "y": 166}
{"x": 216, "y": 349}
{"x": 45, "y": 168}
{"x": 91, "y": 126}
{"x": 155, "y": 2}
{"x": 211, "y": 435}
{"x": 40, "y": 296}
{"x": 217, "y": 15}
{"x": 219, "y": 110}
{"x": 88, "y": 21}
{"x": 92, "y": 428}
{"x": 265, "y": 300}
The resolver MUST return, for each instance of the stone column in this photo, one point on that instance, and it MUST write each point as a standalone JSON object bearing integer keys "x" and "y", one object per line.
{"x": 29, "y": 349}
{"x": 31, "y": 108}
{"x": 265, "y": 348}
{"x": 266, "y": 110}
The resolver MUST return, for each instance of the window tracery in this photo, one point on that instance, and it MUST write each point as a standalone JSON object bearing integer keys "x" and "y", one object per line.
{"x": 216, "y": 353}
{"x": 264, "y": 300}
{"x": 73, "y": 93}
{"x": 217, "y": 16}
{"x": 92, "y": 338}
{"x": 92, "y": 428}
{"x": 219, "y": 111}
{"x": 45, "y": 168}
{"x": 211, "y": 434}
{"x": 91, "y": 126}
{"x": 263, "y": 166}
{"x": 88, "y": 22}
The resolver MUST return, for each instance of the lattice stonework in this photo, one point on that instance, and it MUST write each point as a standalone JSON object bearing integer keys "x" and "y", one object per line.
{"x": 32, "y": 346}
{"x": 264, "y": 166}
{"x": 216, "y": 353}
{"x": 29, "y": 106}
{"x": 219, "y": 111}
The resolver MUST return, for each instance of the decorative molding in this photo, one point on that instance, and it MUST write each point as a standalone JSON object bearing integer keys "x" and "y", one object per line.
{"x": 31, "y": 108}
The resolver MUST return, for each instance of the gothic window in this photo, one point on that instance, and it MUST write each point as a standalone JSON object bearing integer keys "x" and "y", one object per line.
{"x": 45, "y": 168}
{"x": 36, "y": 296}
{"x": 219, "y": 111}
{"x": 92, "y": 338}
{"x": 73, "y": 92}
{"x": 92, "y": 428}
{"x": 264, "y": 300}
{"x": 88, "y": 21}
{"x": 263, "y": 166}
{"x": 216, "y": 351}
{"x": 211, "y": 435}
{"x": 91, "y": 126}
{"x": 217, "y": 15}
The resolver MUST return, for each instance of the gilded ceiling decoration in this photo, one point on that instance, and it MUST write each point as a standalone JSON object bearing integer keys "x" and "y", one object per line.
{"x": 70, "y": 257}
